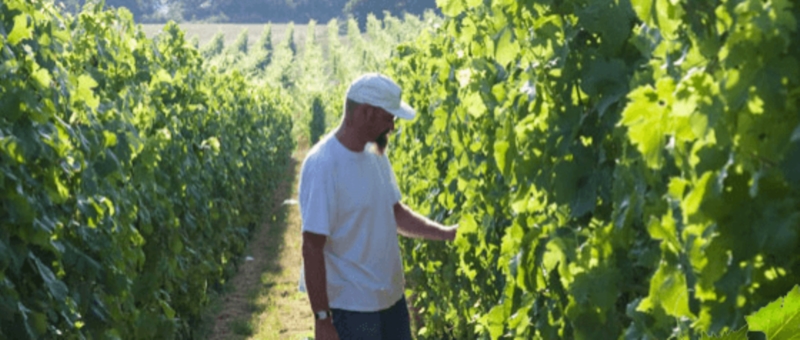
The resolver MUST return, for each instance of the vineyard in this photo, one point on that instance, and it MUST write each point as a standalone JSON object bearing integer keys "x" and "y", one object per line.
{"x": 130, "y": 177}
{"x": 618, "y": 168}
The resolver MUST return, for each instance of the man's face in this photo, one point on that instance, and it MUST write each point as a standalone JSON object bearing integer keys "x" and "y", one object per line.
{"x": 382, "y": 123}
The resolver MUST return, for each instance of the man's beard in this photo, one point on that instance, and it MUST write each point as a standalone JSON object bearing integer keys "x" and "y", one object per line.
{"x": 382, "y": 141}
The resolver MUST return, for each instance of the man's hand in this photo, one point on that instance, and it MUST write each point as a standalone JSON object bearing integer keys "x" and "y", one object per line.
{"x": 411, "y": 224}
{"x": 324, "y": 330}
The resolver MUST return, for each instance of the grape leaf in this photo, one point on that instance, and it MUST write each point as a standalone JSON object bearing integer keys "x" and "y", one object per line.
{"x": 668, "y": 289}
{"x": 21, "y": 30}
{"x": 54, "y": 285}
{"x": 643, "y": 9}
{"x": 451, "y": 7}
{"x": 645, "y": 118}
{"x": 506, "y": 48}
{"x": 741, "y": 334}
{"x": 85, "y": 85}
{"x": 779, "y": 320}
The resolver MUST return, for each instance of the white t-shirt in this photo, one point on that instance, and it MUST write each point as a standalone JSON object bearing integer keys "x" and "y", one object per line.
{"x": 349, "y": 197}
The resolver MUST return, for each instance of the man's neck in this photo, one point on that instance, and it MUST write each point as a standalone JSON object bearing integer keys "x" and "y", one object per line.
{"x": 349, "y": 139}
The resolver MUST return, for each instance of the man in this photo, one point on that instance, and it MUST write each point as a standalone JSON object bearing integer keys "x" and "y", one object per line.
{"x": 351, "y": 211}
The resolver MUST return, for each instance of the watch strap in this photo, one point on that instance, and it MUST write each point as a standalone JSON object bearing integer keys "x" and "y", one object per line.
{"x": 323, "y": 314}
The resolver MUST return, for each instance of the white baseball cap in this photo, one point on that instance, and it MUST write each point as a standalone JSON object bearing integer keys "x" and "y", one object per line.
{"x": 380, "y": 91}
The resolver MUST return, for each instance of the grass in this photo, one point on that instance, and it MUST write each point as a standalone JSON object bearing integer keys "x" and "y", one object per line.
{"x": 241, "y": 327}
{"x": 287, "y": 314}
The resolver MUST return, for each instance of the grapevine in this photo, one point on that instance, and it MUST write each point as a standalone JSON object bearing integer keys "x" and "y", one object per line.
{"x": 130, "y": 175}
{"x": 617, "y": 168}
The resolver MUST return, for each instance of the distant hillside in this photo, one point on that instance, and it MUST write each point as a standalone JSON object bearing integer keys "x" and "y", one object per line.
{"x": 260, "y": 11}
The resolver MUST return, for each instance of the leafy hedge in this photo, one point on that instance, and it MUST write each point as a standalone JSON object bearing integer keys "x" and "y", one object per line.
{"x": 130, "y": 174}
{"x": 618, "y": 168}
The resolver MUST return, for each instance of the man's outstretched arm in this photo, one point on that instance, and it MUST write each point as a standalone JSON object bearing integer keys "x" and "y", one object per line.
{"x": 411, "y": 224}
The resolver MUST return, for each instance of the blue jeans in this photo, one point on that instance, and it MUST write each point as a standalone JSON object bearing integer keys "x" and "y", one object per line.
{"x": 392, "y": 323}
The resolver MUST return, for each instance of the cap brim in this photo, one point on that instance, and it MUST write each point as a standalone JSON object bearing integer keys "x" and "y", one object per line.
{"x": 405, "y": 111}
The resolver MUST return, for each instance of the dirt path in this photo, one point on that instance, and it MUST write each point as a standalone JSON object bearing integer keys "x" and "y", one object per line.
{"x": 262, "y": 301}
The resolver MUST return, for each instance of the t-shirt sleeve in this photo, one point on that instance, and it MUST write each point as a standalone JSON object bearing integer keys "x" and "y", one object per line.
{"x": 395, "y": 189}
{"x": 316, "y": 197}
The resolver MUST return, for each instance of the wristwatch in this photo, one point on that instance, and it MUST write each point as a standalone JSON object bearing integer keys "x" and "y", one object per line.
{"x": 322, "y": 315}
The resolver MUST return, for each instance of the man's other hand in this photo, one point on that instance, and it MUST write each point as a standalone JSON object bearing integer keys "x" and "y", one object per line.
{"x": 324, "y": 330}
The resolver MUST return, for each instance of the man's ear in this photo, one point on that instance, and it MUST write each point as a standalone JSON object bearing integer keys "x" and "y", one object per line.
{"x": 369, "y": 112}
{"x": 360, "y": 111}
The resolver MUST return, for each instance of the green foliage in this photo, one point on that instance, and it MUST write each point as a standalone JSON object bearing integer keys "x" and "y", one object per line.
{"x": 130, "y": 174}
{"x": 195, "y": 42}
{"x": 738, "y": 335}
{"x": 214, "y": 47}
{"x": 336, "y": 52}
{"x": 616, "y": 168}
{"x": 241, "y": 327}
{"x": 779, "y": 320}
{"x": 379, "y": 37}
{"x": 259, "y": 58}
{"x": 290, "y": 38}
{"x": 359, "y": 50}
{"x": 240, "y": 44}
{"x": 312, "y": 73}
{"x": 265, "y": 41}
{"x": 317, "y": 125}
{"x": 320, "y": 71}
